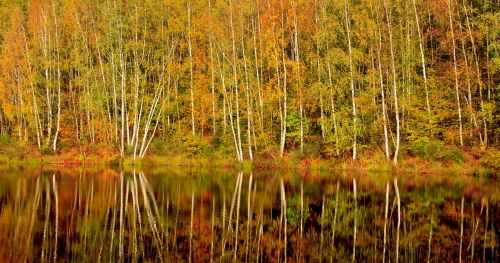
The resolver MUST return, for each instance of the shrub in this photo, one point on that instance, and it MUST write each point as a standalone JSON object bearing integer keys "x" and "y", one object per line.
{"x": 47, "y": 150}
{"x": 5, "y": 140}
{"x": 491, "y": 159}
{"x": 311, "y": 150}
{"x": 453, "y": 155}
{"x": 9, "y": 147}
{"x": 328, "y": 150}
{"x": 432, "y": 149}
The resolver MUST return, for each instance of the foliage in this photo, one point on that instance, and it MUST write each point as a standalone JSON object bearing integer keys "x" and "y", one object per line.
{"x": 244, "y": 78}
{"x": 10, "y": 148}
{"x": 293, "y": 211}
{"x": 491, "y": 159}
{"x": 432, "y": 149}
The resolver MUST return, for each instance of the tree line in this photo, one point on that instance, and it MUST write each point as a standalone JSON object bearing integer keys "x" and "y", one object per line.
{"x": 255, "y": 75}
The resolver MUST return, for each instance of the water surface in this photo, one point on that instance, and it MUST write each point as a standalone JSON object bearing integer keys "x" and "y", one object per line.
{"x": 176, "y": 215}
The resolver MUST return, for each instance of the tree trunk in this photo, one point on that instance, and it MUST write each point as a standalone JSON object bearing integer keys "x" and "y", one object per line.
{"x": 191, "y": 92}
{"x": 424, "y": 70}
{"x": 382, "y": 93}
{"x": 478, "y": 72}
{"x": 58, "y": 62}
{"x": 459, "y": 110}
{"x": 394, "y": 83}
{"x": 351, "y": 74}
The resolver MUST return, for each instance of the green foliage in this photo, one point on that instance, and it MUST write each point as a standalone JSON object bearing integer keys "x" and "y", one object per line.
{"x": 293, "y": 128}
{"x": 10, "y": 147}
{"x": 379, "y": 162}
{"x": 328, "y": 150}
{"x": 434, "y": 150}
{"x": 491, "y": 159}
{"x": 293, "y": 211}
{"x": 5, "y": 140}
{"x": 115, "y": 162}
{"x": 193, "y": 147}
{"x": 47, "y": 150}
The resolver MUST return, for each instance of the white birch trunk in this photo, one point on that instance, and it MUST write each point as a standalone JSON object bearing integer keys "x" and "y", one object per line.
{"x": 394, "y": 83}
{"x": 382, "y": 93}
{"x": 58, "y": 121}
{"x": 191, "y": 92}
{"x": 351, "y": 75}
{"x": 455, "y": 69}
{"x": 422, "y": 60}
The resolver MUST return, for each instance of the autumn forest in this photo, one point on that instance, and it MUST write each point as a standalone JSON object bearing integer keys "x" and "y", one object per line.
{"x": 250, "y": 130}
{"x": 245, "y": 78}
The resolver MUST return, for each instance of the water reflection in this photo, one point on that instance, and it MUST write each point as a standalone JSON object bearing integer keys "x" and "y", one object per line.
{"x": 220, "y": 216}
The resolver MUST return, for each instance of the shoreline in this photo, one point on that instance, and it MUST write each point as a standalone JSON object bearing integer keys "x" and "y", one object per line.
{"x": 472, "y": 163}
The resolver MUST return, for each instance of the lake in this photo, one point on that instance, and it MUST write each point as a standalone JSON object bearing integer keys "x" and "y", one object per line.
{"x": 204, "y": 215}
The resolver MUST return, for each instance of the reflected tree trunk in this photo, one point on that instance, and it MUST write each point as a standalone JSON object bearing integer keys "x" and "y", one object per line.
{"x": 385, "y": 219}
{"x": 399, "y": 217}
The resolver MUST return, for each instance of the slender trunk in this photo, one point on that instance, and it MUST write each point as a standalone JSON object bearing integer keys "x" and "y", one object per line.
{"x": 235, "y": 79}
{"x": 115, "y": 103}
{"x": 45, "y": 45}
{"x": 258, "y": 80}
{"x": 191, "y": 228}
{"x": 145, "y": 142}
{"x": 235, "y": 256}
{"x": 455, "y": 70}
{"x": 334, "y": 113}
{"x": 249, "y": 213}
{"x": 299, "y": 88}
{"x": 122, "y": 215}
{"x": 123, "y": 113}
{"x": 351, "y": 82}
{"x": 485, "y": 237}
{"x": 424, "y": 70}
{"x": 461, "y": 229}
{"x": 230, "y": 218}
{"x": 56, "y": 204}
{"x": 285, "y": 96}
{"x": 46, "y": 224}
{"x": 212, "y": 70}
{"x": 191, "y": 92}
{"x": 468, "y": 99}
{"x": 283, "y": 203}
{"x": 478, "y": 72}
{"x": 382, "y": 93}
{"x": 399, "y": 217}
{"x": 230, "y": 112}
{"x": 247, "y": 97}
{"x": 58, "y": 62}
{"x": 354, "y": 189}
{"x": 334, "y": 226}
{"x": 394, "y": 83}
{"x": 475, "y": 225}
{"x": 322, "y": 118}
{"x": 36, "y": 203}
{"x": 38, "y": 130}
{"x": 385, "y": 219}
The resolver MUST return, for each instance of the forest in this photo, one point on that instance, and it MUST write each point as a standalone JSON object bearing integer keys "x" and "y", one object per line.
{"x": 249, "y": 78}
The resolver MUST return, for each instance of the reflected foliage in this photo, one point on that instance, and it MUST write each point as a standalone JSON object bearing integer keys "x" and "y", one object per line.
{"x": 131, "y": 216}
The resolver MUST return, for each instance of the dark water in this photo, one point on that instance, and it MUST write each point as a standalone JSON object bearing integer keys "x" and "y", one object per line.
{"x": 182, "y": 215}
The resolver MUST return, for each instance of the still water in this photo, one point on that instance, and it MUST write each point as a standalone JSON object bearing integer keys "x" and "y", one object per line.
{"x": 184, "y": 215}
